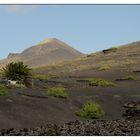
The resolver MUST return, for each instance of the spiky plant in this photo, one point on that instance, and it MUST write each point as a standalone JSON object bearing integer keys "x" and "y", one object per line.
{"x": 17, "y": 71}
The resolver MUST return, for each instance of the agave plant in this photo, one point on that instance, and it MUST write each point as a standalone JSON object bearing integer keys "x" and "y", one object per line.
{"x": 17, "y": 71}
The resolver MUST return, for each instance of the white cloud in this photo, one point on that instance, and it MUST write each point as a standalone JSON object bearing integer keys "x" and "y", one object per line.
{"x": 17, "y": 8}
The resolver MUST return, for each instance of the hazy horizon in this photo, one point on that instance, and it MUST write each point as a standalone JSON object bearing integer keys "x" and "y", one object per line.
{"x": 87, "y": 28}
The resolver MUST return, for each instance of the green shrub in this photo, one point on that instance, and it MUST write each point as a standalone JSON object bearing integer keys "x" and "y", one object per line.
{"x": 114, "y": 47}
{"x": 131, "y": 77}
{"x": 2, "y": 90}
{"x": 101, "y": 82}
{"x": 104, "y": 67}
{"x": 58, "y": 92}
{"x": 90, "y": 110}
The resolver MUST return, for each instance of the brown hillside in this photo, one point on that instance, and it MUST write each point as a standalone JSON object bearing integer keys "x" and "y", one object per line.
{"x": 121, "y": 57}
{"x": 47, "y": 52}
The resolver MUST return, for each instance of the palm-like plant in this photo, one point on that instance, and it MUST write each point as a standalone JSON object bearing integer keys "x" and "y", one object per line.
{"x": 17, "y": 71}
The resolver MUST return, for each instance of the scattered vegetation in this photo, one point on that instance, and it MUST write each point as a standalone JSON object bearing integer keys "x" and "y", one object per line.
{"x": 131, "y": 77}
{"x": 104, "y": 67}
{"x": 129, "y": 62}
{"x": 2, "y": 90}
{"x": 59, "y": 92}
{"x": 114, "y": 47}
{"x": 90, "y": 110}
{"x": 19, "y": 72}
{"x": 0, "y": 73}
{"x": 91, "y": 55}
{"x": 101, "y": 82}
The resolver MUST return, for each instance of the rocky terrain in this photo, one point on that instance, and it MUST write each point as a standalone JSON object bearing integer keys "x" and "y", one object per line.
{"x": 80, "y": 128}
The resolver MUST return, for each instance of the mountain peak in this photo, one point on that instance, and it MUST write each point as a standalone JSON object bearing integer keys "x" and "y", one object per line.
{"x": 49, "y": 40}
{"x": 48, "y": 51}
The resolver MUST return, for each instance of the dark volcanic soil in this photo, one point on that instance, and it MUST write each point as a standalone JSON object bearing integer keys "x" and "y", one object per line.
{"x": 28, "y": 108}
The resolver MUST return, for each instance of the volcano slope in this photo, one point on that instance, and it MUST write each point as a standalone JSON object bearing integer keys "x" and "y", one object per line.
{"x": 32, "y": 107}
{"x": 46, "y": 52}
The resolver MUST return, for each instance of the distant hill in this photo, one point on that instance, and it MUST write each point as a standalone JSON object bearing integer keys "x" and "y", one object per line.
{"x": 49, "y": 51}
{"x": 124, "y": 57}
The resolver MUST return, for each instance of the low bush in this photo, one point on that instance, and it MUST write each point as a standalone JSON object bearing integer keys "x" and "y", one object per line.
{"x": 2, "y": 90}
{"x": 90, "y": 110}
{"x": 131, "y": 77}
{"x": 114, "y": 47}
{"x": 104, "y": 67}
{"x": 100, "y": 82}
{"x": 59, "y": 92}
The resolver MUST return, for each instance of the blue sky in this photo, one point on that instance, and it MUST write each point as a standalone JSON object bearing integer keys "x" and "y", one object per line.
{"x": 88, "y": 28}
